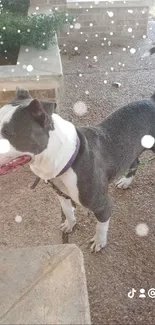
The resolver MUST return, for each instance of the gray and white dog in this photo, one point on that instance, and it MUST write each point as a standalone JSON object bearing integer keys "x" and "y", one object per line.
{"x": 81, "y": 162}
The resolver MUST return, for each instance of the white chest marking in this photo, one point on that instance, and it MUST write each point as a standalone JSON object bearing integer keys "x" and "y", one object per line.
{"x": 69, "y": 179}
{"x": 61, "y": 146}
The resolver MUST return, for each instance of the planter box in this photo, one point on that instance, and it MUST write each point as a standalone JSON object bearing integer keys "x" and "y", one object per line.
{"x": 126, "y": 14}
{"x": 44, "y": 81}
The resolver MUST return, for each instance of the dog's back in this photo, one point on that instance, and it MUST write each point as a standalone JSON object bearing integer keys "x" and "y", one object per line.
{"x": 116, "y": 142}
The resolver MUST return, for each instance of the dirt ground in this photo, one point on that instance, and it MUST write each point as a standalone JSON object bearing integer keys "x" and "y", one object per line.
{"x": 128, "y": 261}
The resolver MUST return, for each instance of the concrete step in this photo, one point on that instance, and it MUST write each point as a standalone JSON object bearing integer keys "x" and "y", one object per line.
{"x": 43, "y": 285}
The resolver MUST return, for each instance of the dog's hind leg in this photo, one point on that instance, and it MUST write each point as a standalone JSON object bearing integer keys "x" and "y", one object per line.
{"x": 125, "y": 181}
{"x": 68, "y": 211}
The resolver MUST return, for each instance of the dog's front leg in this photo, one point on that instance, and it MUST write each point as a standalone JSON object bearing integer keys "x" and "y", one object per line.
{"x": 103, "y": 217}
{"x": 68, "y": 210}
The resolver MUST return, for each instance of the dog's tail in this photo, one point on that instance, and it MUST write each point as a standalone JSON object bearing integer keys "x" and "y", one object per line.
{"x": 149, "y": 53}
{"x": 153, "y": 96}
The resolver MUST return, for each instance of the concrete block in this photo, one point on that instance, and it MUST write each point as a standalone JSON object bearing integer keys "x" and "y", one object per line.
{"x": 43, "y": 285}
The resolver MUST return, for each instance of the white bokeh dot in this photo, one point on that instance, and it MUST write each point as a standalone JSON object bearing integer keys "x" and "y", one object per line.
{"x": 95, "y": 57}
{"x": 130, "y": 30}
{"x": 76, "y": 48}
{"x": 18, "y": 219}
{"x": 142, "y": 229}
{"x": 105, "y": 81}
{"x": 110, "y": 13}
{"x": 29, "y": 68}
{"x": 80, "y": 108}
{"x": 77, "y": 26}
{"x": 4, "y": 146}
{"x": 130, "y": 11}
{"x": 87, "y": 92}
{"x": 147, "y": 141}
{"x": 132, "y": 50}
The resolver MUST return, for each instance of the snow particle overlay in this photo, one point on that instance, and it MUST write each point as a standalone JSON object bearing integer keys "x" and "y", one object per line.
{"x": 80, "y": 108}
{"x": 110, "y": 13}
{"x": 142, "y": 229}
{"x": 144, "y": 36}
{"x": 91, "y": 24}
{"x": 130, "y": 30}
{"x": 130, "y": 11}
{"x": 132, "y": 50}
{"x": 18, "y": 219}
{"x": 87, "y": 92}
{"x": 26, "y": 50}
{"x": 29, "y": 68}
{"x": 77, "y": 26}
{"x": 124, "y": 49}
{"x": 147, "y": 141}
{"x": 95, "y": 57}
{"x": 105, "y": 81}
{"x": 4, "y": 146}
{"x": 76, "y": 48}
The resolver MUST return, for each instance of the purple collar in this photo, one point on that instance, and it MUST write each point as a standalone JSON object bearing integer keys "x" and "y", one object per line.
{"x": 72, "y": 159}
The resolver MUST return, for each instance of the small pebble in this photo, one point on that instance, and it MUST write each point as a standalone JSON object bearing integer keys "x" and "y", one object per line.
{"x": 116, "y": 84}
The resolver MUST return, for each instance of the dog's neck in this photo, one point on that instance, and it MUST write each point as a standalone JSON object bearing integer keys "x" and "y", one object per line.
{"x": 61, "y": 146}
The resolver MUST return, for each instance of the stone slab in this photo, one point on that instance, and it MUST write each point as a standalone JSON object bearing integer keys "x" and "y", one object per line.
{"x": 43, "y": 285}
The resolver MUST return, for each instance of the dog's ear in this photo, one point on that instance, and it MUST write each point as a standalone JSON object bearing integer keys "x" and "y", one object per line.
{"x": 35, "y": 108}
{"x": 22, "y": 93}
{"x": 49, "y": 106}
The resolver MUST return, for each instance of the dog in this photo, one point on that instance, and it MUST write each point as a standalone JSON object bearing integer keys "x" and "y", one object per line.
{"x": 150, "y": 52}
{"x": 80, "y": 161}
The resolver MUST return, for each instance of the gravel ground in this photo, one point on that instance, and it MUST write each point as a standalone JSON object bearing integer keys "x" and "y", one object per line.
{"x": 128, "y": 260}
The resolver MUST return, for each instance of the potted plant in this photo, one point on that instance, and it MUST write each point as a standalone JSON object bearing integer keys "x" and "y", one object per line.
{"x": 17, "y": 28}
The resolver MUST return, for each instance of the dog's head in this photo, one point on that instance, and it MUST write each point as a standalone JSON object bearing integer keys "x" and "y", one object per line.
{"x": 25, "y": 124}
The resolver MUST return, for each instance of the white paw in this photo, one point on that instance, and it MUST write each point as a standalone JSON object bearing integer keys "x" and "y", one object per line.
{"x": 67, "y": 226}
{"x": 97, "y": 245}
{"x": 124, "y": 182}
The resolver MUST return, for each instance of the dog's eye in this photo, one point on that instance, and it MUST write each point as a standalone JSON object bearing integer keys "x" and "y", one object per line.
{"x": 8, "y": 133}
